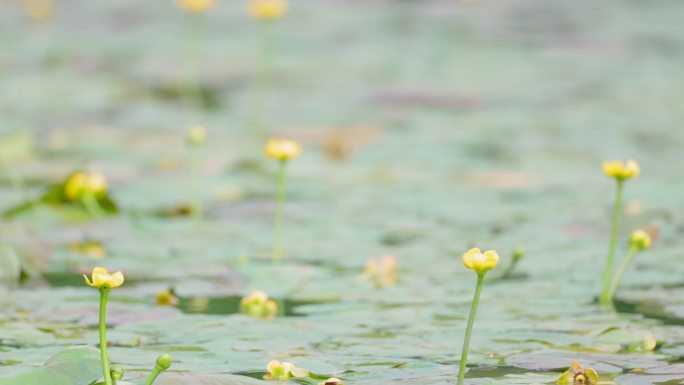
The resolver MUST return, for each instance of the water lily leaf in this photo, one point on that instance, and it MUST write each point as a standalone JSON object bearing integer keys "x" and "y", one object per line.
{"x": 206, "y": 379}
{"x": 74, "y": 366}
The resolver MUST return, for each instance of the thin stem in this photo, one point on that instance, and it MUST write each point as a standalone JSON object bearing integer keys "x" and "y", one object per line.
{"x": 192, "y": 90}
{"x": 153, "y": 376}
{"x": 469, "y": 328}
{"x": 262, "y": 76}
{"x": 93, "y": 206}
{"x": 608, "y": 273}
{"x": 633, "y": 250}
{"x": 196, "y": 170}
{"x": 279, "y": 212}
{"x": 104, "y": 294}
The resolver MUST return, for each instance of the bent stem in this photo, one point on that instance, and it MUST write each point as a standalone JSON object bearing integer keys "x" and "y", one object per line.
{"x": 633, "y": 250}
{"x": 469, "y": 328}
{"x": 153, "y": 376}
{"x": 279, "y": 212}
{"x": 606, "y": 299}
{"x": 104, "y": 294}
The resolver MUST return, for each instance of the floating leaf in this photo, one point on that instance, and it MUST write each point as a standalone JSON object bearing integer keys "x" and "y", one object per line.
{"x": 74, "y": 366}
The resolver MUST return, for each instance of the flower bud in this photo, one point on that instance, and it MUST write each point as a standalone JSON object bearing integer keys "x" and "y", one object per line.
{"x": 164, "y": 362}
{"x": 578, "y": 375}
{"x": 480, "y": 262}
{"x": 166, "y": 298}
{"x": 621, "y": 170}
{"x": 116, "y": 372}
{"x": 196, "y": 136}
{"x": 518, "y": 253}
{"x": 640, "y": 240}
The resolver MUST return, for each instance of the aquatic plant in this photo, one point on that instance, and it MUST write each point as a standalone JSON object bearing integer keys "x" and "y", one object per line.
{"x": 639, "y": 241}
{"x": 195, "y": 138}
{"x": 578, "y": 375}
{"x": 102, "y": 280}
{"x": 381, "y": 271}
{"x": 282, "y": 150}
{"x": 480, "y": 263}
{"x": 620, "y": 171}
{"x": 282, "y": 371}
{"x": 257, "y": 304}
{"x": 265, "y": 12}
{"x": 516, "y": 256}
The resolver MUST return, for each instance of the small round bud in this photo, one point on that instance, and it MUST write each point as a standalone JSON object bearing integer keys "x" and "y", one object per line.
{"x": 164, "y": 362}
{"x": 518, "y": 253}
{"x": 640, "y": 240}
{"x": 117, "y": 372}
{"x": 196, "y": 136}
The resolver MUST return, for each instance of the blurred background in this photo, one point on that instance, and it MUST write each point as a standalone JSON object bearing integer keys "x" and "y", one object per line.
{"x": 427, "y": 126}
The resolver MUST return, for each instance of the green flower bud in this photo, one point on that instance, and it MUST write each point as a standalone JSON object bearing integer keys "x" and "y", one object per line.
{"x": 117, "y": 372}
{"x": 518, "y": 253}
{"x": 164, "y": 362}
{"x": 640, "y": 240}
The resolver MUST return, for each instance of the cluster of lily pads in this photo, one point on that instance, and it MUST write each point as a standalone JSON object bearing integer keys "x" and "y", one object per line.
{"x": 89, "y": 192}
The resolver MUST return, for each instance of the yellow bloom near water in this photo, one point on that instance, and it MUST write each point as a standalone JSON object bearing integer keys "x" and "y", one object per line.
{"x": 640, "y": 239}
{"x": 195, "y": 6}
{"x": 81, "y": 183}
{"x": 282, "y": 149}
{"x": 101, "y": 279}
{"x": 621, "y": 170}
{"x": 281, "y": 371}
{"x": 480, "y": 262}
{"x": 266, "y": 9}
{"x": 258, "y": 305}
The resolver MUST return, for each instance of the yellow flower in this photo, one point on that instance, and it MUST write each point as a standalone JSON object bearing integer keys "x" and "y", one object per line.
{"x": 165, "y": 298}
{"x": 621, "y": 171}
{"x": 196, "y": 136}
{"x": 282, "y": 149}
{"x": 266, "y": 9}
{"x": 101, "y": 279}
{"x": 258, "y": 305}
{"x": 332, "y": 381}
{"x": 381, "y": 271}
{"x": 480, "y": 262}
{"x": 81, "y": 183}
{"x": 578, "y": 375}
{"x": 649, "y": 342}
{"x": 640, "y": 239}
{"x": 281, "y": 371}
{"x": 195, "y": 6}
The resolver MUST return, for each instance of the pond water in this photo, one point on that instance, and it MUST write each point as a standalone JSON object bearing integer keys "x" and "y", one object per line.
{"x": 428, "y": 127}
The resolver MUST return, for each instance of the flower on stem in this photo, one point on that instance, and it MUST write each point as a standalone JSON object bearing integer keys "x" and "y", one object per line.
{"x": 621, "y": 170}
{"x": 281, "y": 371}
{"x": 81, "y": 183}
{"x": 381, "y": 271}
{"x": 640, "y": 240}
{"x": 195, "y": 6}
{"x": 163, "y": 362}
{"x": 578, "y": 375}
{"x": 258, "y": 305}
{"x": 196, "y": 136}
{"x": 480, "y": 262}
{"x": 101, "y": 279}
{"x": 117, "y": 372}
{"x": 282, "y": 149}
{"x": 266, "y": 9}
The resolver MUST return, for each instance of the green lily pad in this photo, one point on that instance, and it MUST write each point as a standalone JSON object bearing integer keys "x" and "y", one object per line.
{"x": 206, "y": 379}
{"x": 74, "y": 366}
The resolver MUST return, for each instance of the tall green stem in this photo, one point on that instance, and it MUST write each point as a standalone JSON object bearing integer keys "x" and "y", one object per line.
{"x": 633, "y": 250}
{"x": 608, "y": 273}
{"x": 104, "y": 294}
{"x": 262, "y": 78}
{"x": 469, "y": 328}
{"x": 279, "y": 212}
{"x": 196, "y": 170}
